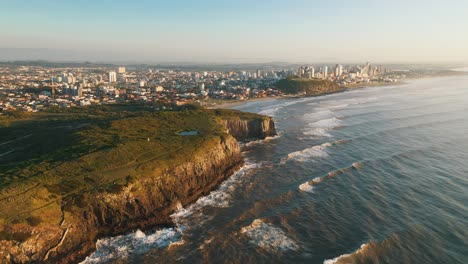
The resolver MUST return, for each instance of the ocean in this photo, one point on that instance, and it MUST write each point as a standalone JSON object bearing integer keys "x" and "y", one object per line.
{"x": 370, "y": 175}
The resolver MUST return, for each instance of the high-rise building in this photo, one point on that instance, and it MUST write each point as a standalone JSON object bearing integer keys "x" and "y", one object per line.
{"x": 325, "y": 72}
{"x": 338, "y": 70}
{"x": 112, "y": 77}
{"x": 121, "y": 70}
{"x": 312, "y": 72}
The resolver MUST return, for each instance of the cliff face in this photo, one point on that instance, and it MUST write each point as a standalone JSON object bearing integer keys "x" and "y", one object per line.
{"x": 79, "y": 220}
{"x": 258, "y": 128}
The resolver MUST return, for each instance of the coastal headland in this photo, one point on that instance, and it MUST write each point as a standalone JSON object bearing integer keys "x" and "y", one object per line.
{"x": 71, "y": 177}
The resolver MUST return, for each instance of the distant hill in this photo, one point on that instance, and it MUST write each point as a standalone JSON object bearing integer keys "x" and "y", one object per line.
{"x": 296, "y": 85}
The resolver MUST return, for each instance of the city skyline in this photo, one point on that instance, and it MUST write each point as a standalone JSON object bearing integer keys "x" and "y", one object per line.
{"x": 235, "y": 32}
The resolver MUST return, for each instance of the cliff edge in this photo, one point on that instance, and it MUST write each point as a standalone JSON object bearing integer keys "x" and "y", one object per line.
{"x": 134, "y": 173}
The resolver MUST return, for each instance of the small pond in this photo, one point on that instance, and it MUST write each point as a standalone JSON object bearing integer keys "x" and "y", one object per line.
{"x": 188, "y": 133}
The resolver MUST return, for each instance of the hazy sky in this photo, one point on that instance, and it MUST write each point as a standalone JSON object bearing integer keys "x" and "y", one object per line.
{"x": 235, "y": 31}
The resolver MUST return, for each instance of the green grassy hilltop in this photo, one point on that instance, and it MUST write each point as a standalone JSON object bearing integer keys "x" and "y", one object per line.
{"x": 296, "y": 85}
{"x": 93, "y": 149}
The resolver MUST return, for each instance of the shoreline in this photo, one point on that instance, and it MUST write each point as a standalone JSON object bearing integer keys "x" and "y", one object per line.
{"x": 230, "y": 104}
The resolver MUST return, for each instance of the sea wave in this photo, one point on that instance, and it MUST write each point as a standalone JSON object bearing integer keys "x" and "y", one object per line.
{"x": 326, "y": 123}
{"x": 271, "y": 111}
{"x": 322, "y": 127}
{"x": 318, "y": 115}
{"x": 261, "y": 141}
{"x": 308, "y": 186}
{"x": 306, "y": 154}
{"x": 349, "y": 258}
{"x": 120, "y": 247}
{"x": 269, "y": 237}
{"x": 338, "y": 104}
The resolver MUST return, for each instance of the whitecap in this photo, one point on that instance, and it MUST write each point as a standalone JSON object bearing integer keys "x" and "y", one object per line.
{"x": 309, "y": 186}
{"x": 306, "y": 154}
{"x": 120, "y": 247}
{"x": 261, "y": 141}
{"x": 272, "y": 110}
{"x": 357, "y": 165}
{"x": 269, "y": 237}
{"x": 306, "y": 187}
{"x": 347, "y": 258}
{"x": 320, "y": 132}
{"x": 326, "y": 123}
{"x": 318, "y": 115}
{"x": 322, "y": 127}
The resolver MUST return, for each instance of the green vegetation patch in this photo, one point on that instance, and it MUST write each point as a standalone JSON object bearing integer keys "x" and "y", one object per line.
{"x": 296, "y": 85}
{"x": 48, "y": 158}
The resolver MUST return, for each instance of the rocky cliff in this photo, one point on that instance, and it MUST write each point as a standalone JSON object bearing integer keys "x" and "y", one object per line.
{"x": 258, "y": 128}
{"x": 65, "y": 229}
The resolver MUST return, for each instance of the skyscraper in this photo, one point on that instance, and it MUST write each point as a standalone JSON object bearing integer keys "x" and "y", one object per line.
{"x": 325, "y": 72}
{"x": 121, "y": 70}
{"x": 112, "y": 77}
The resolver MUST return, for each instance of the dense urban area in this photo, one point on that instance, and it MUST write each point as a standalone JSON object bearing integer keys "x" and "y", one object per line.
{"x": 41, "y": 87}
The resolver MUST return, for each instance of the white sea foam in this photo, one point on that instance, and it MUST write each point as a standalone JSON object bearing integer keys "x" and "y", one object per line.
{"x": 269, "y": 237}
{"x": 321, "y": 127}
{"x": 306, "y": 154}
{"x": 272, "y": 110}
{"x": 261, "y": 141}
{"x": 326, "y": 123}
{"x": 322, "y": 113}
{"x": 319, "y": 132}
{"x": 309, "y": 186}
{"x": 306, "y": 187}
{"x": 340, "y": 106}
{"x": 355, "y": 101}
{"x": 120, "y": 247}
{"x": 347, "y": 258}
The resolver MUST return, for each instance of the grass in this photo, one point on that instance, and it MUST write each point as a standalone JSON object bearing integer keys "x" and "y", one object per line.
{"x": 48, "y": 157}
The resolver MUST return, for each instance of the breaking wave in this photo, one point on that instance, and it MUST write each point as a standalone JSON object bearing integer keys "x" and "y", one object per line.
{"x": 306, "y": 154}
{"x": 269, "y": 237}
{"x": 261, "y": 141}
{"x": 349, "y": 258}
{"x": 308, "y": 186}
{"x": 315, "y": 151}
{"x": 321, "y": 128}
{"x": 271, "y": 111}
{"x": 121, "y": 247}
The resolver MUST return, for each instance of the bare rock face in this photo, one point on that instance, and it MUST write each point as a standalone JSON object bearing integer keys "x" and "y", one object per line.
{"x": 258, "y": 128}
{"x": 143, "y": 203}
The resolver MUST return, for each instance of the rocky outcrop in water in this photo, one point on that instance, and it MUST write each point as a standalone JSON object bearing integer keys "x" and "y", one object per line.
{"x": 142, "y": 203}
